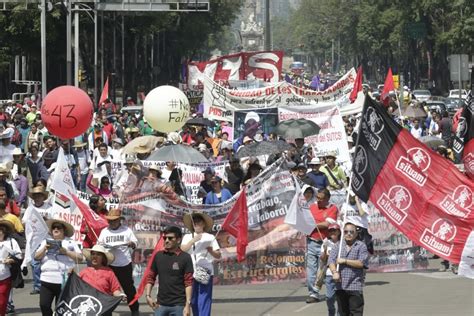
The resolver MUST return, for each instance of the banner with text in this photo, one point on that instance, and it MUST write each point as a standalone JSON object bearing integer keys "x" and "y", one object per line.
{"x": 219, "y": 102}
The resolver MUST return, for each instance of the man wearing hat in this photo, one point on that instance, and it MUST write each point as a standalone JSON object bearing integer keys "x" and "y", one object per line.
{"x": 39, "y": 196}
{"x": 334, "y": 172}
{"x": 6, "y": 148}
{"x": 218, "y": 194}
{"x": 117, "y": 145}
{"x": 205, "y": 185}
{"x": 203, "y": 248}
{"x": 303, "y": 176}
{"x": 121, "y": 240}
{"x": 96, "y": 133}
{"x": 320, "y": 179}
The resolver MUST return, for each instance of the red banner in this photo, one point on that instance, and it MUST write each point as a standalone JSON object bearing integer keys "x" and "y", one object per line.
{"x": 264, "y": 65}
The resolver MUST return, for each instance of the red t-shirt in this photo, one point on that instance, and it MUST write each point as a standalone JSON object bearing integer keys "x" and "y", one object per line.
{"x": 320, "y": 216}
{"x": 12, "y": 208}
{"x": 102, "y": 279}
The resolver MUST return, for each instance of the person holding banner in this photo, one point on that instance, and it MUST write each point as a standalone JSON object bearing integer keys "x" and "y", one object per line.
{"x": 335, "y": 174}
{"x": 120, "y": 239}
{"x": 322, "y": 211}
{"x": 99, "y": 275}
{"x": 58, "y": 255}
{"x": 97, "y": 204}
{"x": 350, "y": 278}
{"x": 203, "y": 248}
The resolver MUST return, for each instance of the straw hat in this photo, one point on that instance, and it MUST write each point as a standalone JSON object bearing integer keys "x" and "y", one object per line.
{"x": 332, "y": 153}
{"x": 142, "y": 149}
{"x": 316, "y": 161}
{"x": 4, "y": 169}
{"x": 188, "y": 221}
{"x": 8, "y": 225}
{"x": 99, "y": 248}
{"x": 247, "y": 139}
{"x": 17, "y": 152}
{"x": 79, "y": 143}
{"x": 154, "y": 167}
{"x": 68, "y": 229}
{"x": 134, "y": 130}
{"x": 114, "y": 214}
{"x": 38, "y": 190}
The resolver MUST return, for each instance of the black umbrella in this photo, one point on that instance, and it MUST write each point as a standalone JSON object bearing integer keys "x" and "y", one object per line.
{"x": 431, "y": 141}
{"x": 177, "y": 153}
{"x": 200, "y": 121}
{"x": 263, "y": 148}
{"x": 299, "y": 128}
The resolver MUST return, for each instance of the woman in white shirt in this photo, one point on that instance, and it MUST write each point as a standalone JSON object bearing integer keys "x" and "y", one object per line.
{"x": 203, "y": 248}
{"x": 8, "y": 248}
{"x": 58, "y": 255}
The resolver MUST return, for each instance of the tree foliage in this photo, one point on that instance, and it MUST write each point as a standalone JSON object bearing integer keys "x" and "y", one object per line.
{"x": 167, "y": 38}
{"x": 413, "y": 37}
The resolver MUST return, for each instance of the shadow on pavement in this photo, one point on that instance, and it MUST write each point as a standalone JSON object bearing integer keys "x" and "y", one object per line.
{"x": 260, "y": 299}
{"x": 376, "y": 283}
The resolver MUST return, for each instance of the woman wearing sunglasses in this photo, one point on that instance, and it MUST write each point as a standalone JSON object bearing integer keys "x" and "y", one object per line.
{"x": 58, "y": 254}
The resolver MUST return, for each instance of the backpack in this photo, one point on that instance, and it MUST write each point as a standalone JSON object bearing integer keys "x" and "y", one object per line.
{"x": 16, "y": 138}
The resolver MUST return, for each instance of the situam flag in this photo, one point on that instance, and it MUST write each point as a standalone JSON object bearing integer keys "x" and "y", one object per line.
{"x": 421, "y": 193}
{"x": 79, "y": 298}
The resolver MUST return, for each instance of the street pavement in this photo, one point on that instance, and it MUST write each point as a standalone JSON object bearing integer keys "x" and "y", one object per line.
{"x": 419, "y": 293}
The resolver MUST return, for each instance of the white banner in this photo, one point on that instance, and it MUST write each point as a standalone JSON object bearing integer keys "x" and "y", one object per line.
{"x": 331, "y": 137}
{"x": 219, "y": 102}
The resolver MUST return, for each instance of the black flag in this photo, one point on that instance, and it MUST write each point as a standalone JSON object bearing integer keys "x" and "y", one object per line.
{"x": 79, "y": 298}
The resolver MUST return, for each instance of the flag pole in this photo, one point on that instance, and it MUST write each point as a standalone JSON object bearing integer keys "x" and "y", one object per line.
{"x": 349, "y": 187}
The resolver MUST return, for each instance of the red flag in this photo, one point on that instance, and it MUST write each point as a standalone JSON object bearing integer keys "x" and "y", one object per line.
{"x": 93, "y": 220}
{"x": 357, "y": 85}
{"x": 141, "y": 288}
{"x": 387, "y": 87}
{"x": 422, "y": 194}
{"x": 236, "y": 223}
{"x": 105, "y": 92}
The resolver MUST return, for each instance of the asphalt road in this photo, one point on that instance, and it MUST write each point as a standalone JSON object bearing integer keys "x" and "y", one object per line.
{"x": 427, "y": 293}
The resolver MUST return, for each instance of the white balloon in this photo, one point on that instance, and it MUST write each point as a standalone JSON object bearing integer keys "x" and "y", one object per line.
{"x": 166, "y": 109}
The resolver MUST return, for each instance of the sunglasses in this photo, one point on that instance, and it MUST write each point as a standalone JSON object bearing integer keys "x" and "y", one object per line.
{"x": 169, "y": 238}
{"x": 57, "y": 227}
{"x": 349, "y": 232}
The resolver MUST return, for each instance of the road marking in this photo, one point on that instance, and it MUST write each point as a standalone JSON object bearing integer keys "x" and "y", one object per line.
{"x": 438, "y": 275}
{"x": 302, "y": 308}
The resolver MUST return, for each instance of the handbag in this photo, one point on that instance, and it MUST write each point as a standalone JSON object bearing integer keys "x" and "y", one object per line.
{"x": 15, "y": 271}
{"x": 201, "y": 274}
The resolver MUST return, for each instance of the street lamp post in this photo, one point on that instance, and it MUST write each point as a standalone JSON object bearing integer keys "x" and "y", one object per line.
{"x": 68, "y": 43}
{"x": 43, "y": 50}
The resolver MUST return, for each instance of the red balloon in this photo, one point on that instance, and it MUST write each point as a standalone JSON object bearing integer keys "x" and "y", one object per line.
{"x": 67, "y": 112}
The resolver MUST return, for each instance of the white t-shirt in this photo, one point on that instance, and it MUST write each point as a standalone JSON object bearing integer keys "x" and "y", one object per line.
{"x": 54, "y": 266}
{"x": 8, "y": 246}
{"x": 45, "y": 210}
{"x": 353, "y": 216}
{"x": 117, "y": 240}
{"x": 201, "y": 257}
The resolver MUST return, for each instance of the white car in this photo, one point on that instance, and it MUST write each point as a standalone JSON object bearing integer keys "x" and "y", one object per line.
{"x": 422, "y": 95}
{"x": 455, "y": 94}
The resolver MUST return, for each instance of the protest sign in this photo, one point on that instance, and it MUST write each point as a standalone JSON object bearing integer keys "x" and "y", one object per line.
{"x": 219, "y": 102}
{"x": 331, "y": 137}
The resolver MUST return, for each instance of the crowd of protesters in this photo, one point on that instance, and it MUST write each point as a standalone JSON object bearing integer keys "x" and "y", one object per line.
{"x": 28, "y": 155}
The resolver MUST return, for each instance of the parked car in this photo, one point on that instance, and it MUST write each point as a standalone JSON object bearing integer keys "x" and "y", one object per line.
{"x": 455, "y": 94}
{"x": 453, "y": 104}
{"x": 422, "y": 95}
{"x": 436, "y": 105}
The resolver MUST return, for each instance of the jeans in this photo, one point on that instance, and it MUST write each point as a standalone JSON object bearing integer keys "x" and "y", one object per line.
{"x": 82, "y": 185}
{"x": 313, "y": 252}
{"x": 169, "y": 311}
{"x": 36, "y": 267}
{"x": 202, "y": 298}
{"x": 330, "y": 295}
{"x": 350, "y": 303}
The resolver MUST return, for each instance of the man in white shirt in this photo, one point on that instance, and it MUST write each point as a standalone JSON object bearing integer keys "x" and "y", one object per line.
{"x": 6, "y": 148}
{"x": 416, "y": 130}
{"x": 121, "y": 240}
